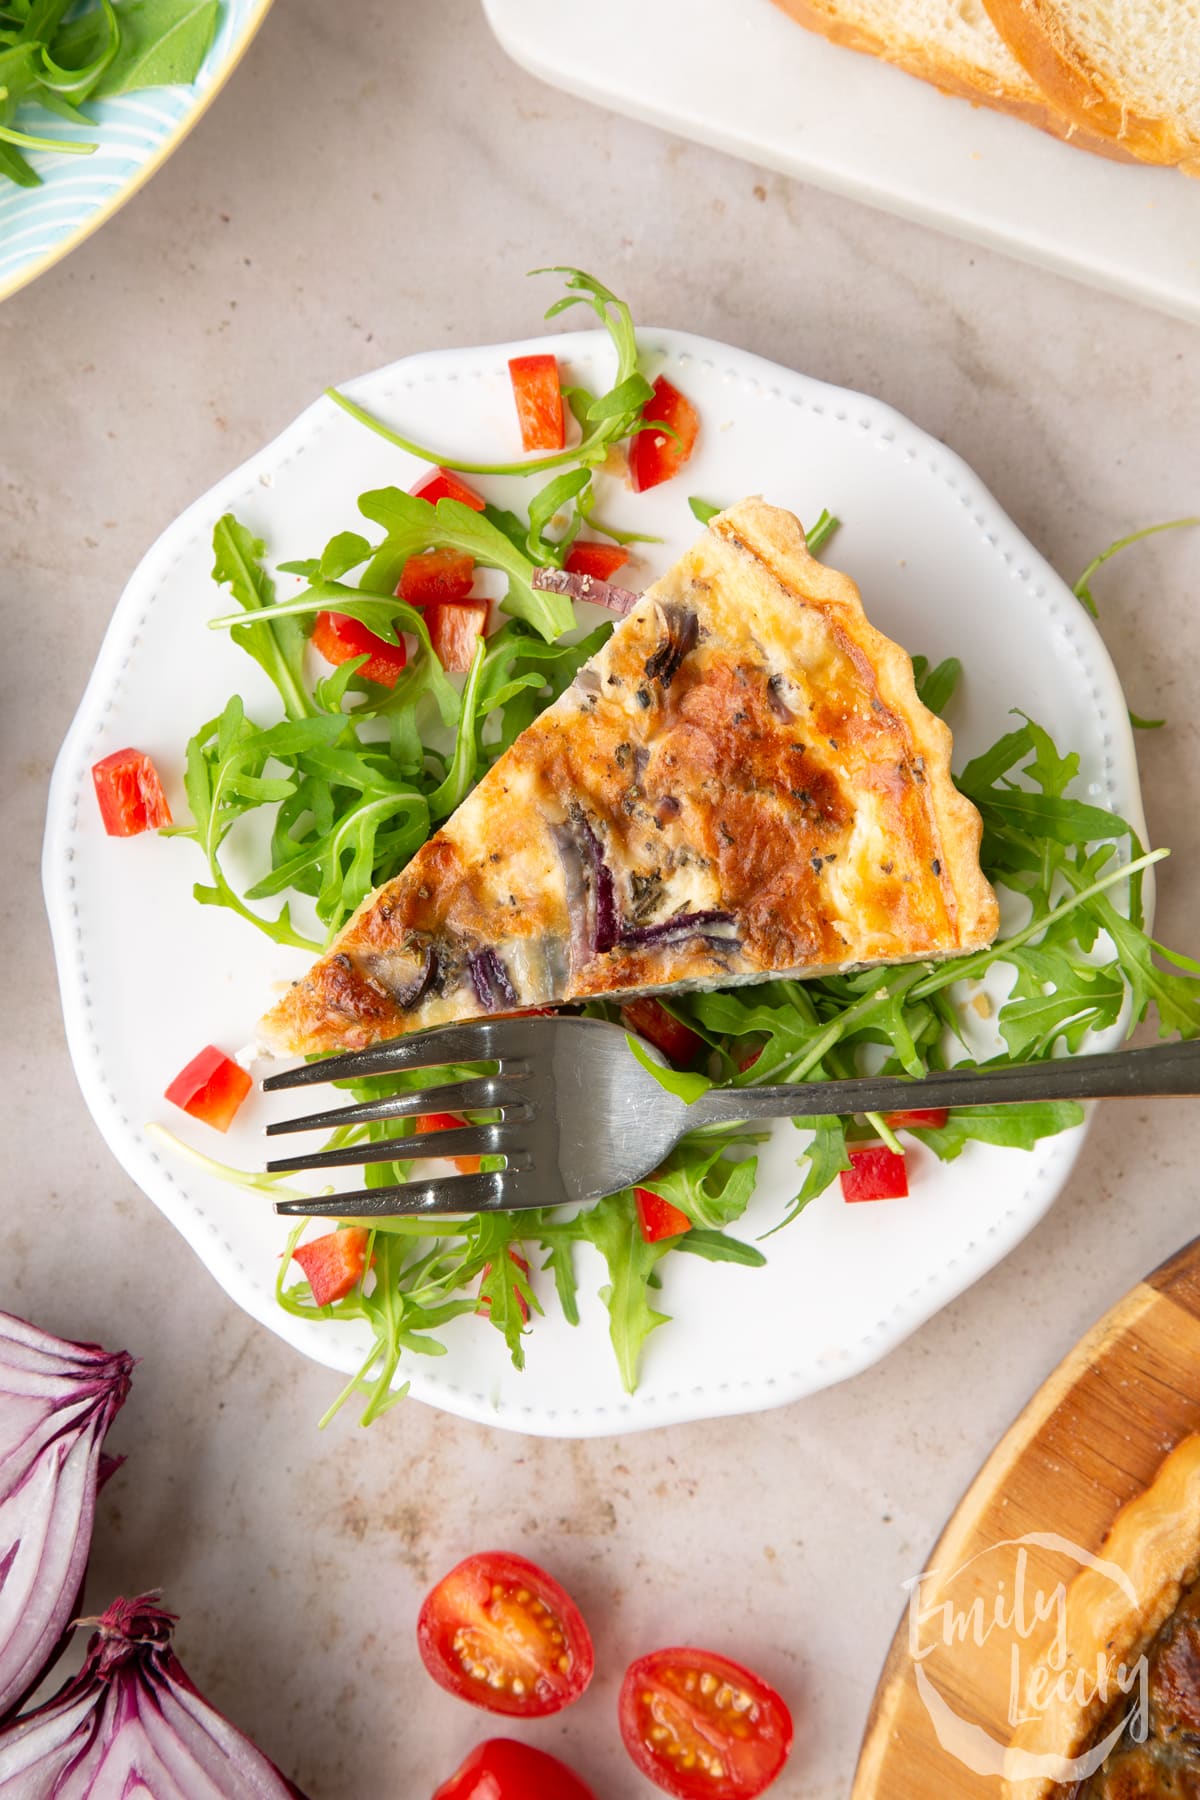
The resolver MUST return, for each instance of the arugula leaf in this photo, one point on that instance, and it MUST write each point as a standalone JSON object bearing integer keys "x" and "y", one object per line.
{"x": 704, "y": 510}
{"x": 1082, "y": 589}
{"x": 460, "y": 776}
{"x": 820, "y": 533}
{"x": 279, "y": 648}
{"x": 827, "y": 1156}
{"x": 705, "y": 1184}
{"x": 686, "y": 1087}
{"x": 163, "y": 43}
{"x": 224, "y": 780}
{"x": 412, "y": 525}
{"x": 715, "y": 1246}
{"x": 936, "y": 689}
{"x": 605, "y": 421}
{"x": 612, "y": 1226}
{"x": 1017, "y": 1127}
{"x": 503, "y": 1282}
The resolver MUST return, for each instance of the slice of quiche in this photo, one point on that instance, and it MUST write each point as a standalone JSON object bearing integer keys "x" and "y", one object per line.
{"x": 741, "y": 784}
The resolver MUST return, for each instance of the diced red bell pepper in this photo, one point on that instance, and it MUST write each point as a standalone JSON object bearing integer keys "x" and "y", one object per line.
{"x": 485, "y": 1300}
{"x": 658, "y": 1218}
{"x": 875, "y": 1173}
{"x": 929, "y": 1118}
{"x": 444, "y": 484}
{"x": 537, "y": 390}
{"x": 211, "y": 1088}
{"x": 748, "y": 1058}
{"x": 466, "y": 1165}
{"x": 436, "y": 575}
{"x": 335, "y": 1263}
{"x": 455, "y": 627}
{"x": 130, "y": 794}
{"x": 338, "y": 637}
{"x": 678, "y": 1043}
{"x": 653, "y": 456}
{"x": 599, "y": 560}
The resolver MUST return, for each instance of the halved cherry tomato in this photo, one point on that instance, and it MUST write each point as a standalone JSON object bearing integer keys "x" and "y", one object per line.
{"x": 653, "y": 456}
{"x": 338, "y": 637}
{"x": 130, "y": 794}
{"x": 335, "y": 1263}
{"x": 502, "y": 1769}
{"x": 485, "y": 1302}
{"x": 701, "y": 1726}
{"x": 436, "y": 575}
{"x": 875, "y": 1173}
{"x": 678, "y": 1043}
{"x": 599, "y": 560}
{"x": 501, "y": 1633}
{"x": 657, "y": 1217}
{"x": 444, "y": 484}
{"x": 537, "y": 390}
{"x": 466, "y": 1165}
{"x": 455, "y": 627}
{"x": 211, "y": 1088}
{"x": 929, "y": 1118}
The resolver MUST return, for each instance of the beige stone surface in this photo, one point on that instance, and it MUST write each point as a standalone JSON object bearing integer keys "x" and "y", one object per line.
{"x": 375, "y": 180}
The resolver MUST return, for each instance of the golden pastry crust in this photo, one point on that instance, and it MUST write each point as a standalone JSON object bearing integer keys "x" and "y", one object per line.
{"x": 1155, "y": 1540}
{"x": 741, "y": 784}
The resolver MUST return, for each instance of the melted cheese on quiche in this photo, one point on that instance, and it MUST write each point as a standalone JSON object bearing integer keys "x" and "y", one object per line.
{"x": 742, "y": 784}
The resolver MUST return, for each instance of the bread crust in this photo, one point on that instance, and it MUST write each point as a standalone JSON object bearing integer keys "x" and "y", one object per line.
{"x": 1155, "y": 1541}
{"x": 1023, "y": 100}
{"x": 1041, "y": 42}
{"x": 747, "y": 752}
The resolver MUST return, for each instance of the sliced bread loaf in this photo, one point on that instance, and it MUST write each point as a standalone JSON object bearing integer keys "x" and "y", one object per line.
{"x": 951, "y": 43}
{"x": 1124, "y": 70}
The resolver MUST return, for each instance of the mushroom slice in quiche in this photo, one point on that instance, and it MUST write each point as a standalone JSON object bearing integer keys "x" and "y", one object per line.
{"x": 742, "y": 784}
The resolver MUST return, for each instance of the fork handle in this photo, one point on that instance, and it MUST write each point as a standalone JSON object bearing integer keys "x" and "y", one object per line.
{"x": 1162, "y": 1069}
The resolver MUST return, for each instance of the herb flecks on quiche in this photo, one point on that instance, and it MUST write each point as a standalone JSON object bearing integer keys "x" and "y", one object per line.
{"x": 742, "y": 784}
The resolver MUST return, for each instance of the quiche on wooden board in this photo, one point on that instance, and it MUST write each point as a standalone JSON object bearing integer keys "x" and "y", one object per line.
{"x": 1143, "y": 1630}
{"x": 741, "y": 784}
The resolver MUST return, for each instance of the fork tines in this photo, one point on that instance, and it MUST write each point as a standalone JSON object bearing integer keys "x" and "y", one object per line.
{"x": 488, "y": 1040}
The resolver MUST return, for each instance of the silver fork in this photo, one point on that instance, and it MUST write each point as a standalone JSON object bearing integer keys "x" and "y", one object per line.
{"x": 581, "y": 1117}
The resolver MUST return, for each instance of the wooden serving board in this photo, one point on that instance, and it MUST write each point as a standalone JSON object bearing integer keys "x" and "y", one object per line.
{"x": 1087, "y": 1443}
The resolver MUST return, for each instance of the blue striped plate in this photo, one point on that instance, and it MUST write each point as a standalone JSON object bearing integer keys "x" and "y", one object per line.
{"x": 136, "y": 134}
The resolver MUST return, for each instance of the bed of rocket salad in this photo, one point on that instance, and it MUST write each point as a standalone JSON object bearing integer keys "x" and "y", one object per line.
{"x": 359, "y": 772}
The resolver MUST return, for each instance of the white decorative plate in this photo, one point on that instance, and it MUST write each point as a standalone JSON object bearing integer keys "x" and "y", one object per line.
{"x": 743, "y": 76}
{"x": 148, "y": 976}
{"x": 136, "y": 134}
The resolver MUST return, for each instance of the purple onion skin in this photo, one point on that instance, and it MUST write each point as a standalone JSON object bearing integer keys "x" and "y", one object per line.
{"x": 132, "y": 1722}
{"x": 490, "y": 979}
{"x": 682, "y": 925}
{"x": 605, "y": 925}
{"x": 57, "y": 1401}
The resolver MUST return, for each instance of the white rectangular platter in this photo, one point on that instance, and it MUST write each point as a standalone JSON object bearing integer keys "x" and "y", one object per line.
{"x": 742, "y": 76}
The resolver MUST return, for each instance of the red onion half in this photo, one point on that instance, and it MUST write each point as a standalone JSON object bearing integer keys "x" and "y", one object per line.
{"x": 131, "y": 1726}
{"x": 57, "y": 1401}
